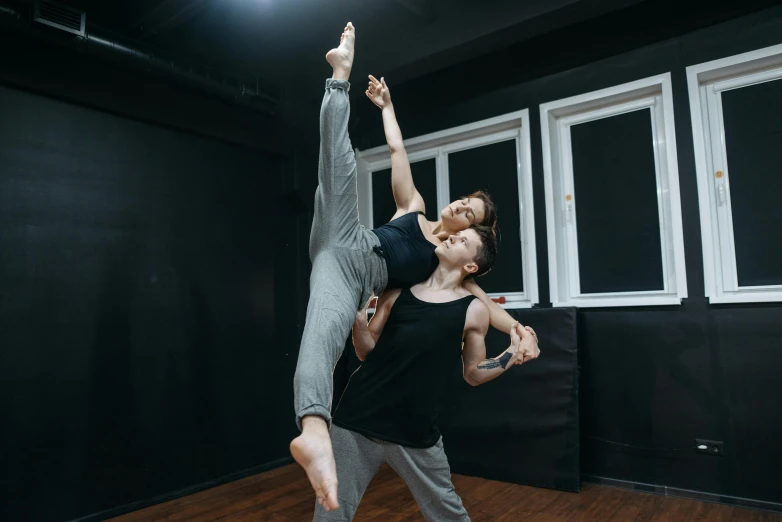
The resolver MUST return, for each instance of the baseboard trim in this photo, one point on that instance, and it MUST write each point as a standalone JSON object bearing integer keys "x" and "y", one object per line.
{"x": 685, "y": 493}
{"x": 141, "y": 504}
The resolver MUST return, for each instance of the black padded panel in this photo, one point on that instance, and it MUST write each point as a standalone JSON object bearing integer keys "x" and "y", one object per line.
{"x": 425, "y": 179}
{"x": 753, "y": 138}
{"x": 616, "y": 204}
{"x": 494, "y": 168}
{"x": 522, "y": 427}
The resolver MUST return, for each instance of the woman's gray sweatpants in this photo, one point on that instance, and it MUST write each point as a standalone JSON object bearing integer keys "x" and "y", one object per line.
{"x": 426, "y": 472}
{"x": 345, "y": 269}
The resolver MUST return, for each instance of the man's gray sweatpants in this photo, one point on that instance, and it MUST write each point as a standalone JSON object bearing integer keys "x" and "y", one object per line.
{"x": 426, "y": 472}
{"x": 345, "y": 269}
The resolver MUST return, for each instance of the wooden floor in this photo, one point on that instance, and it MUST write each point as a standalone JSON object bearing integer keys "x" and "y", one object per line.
{"x": 284, "y": 495}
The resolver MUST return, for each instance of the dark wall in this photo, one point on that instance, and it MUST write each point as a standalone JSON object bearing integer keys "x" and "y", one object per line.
{"x": 140, "y": 279}
{"x": 652, "y": 379}
{"x": 60, "y": 71}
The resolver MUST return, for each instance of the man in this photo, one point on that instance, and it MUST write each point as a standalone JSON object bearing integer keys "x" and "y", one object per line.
{"x": 389, "y": 410}
{"x": 350, "y": 263}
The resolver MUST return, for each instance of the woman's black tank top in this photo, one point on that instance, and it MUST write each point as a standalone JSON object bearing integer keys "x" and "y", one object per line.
{"x": 409, "y": 256}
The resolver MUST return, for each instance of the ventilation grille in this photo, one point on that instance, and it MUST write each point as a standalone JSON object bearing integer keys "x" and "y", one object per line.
{"x": 60, "y": 16}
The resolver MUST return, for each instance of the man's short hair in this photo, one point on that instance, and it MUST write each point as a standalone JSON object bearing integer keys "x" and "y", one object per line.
{"x": 487, "y": 251}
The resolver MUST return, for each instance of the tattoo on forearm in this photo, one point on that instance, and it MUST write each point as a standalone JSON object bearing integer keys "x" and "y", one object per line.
{"x": 504, "y": 359}
{"x": 490, "y": 364}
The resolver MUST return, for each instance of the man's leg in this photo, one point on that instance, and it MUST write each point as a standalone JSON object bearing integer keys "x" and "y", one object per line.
{"x": 358, "y": 460}
{"x": 428, "y": 475}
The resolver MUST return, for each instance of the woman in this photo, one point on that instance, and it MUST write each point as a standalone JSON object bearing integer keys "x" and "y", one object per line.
{"x": 477, "y": 208}
{"x": 350, "y": 263}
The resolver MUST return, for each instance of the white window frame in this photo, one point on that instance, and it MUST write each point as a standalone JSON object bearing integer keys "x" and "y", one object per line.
{"x": 556, "y": 118}
{"x": 705, "y": 83}
{"x": 438, "y": 145}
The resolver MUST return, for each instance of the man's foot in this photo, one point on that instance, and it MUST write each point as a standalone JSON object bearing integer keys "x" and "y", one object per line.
{"x": 341, "y": 58}
{"x": 312, "y": 450}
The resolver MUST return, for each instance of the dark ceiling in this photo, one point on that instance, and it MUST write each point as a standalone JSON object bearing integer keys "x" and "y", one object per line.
{"x": 284, "y": 41}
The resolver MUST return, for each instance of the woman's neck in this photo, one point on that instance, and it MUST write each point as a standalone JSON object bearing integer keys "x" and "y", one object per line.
{"x": 436, "y": 229}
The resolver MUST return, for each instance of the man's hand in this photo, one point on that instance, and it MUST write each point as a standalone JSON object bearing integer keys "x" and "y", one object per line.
{"x": 528, "y": 344}
{"x": 530, "y": 330}
{"x": 515, "y": 342}
{"x": 362, "y": 314}
{"x": 378, "y": 92}
{"x": 361, "y": 318}
{"x": 363, "y": 340}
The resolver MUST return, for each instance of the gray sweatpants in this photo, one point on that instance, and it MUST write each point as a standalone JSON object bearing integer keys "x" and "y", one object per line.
{"x": 426, "y": 472}
{"x": 345, "y": 269}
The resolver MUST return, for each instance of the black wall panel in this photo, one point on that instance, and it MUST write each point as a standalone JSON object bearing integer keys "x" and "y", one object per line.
{"x": 138, "y": 277}
{"x": 521, "y": 427}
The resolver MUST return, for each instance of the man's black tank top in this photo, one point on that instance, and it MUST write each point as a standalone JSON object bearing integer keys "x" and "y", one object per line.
{"x": 409, "y": 256}
{"x": 397, "y": 394}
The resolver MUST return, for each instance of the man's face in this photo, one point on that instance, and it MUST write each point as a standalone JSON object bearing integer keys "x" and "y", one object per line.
{"x": 460, "y": 250}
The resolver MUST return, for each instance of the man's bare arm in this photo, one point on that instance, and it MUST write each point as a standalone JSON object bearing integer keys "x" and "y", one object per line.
{"x": 366, "y": 334}
{"x": 478, "y": 369}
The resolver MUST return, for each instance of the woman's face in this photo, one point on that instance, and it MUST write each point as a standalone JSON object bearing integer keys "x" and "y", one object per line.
{"x": 462, "y": 213}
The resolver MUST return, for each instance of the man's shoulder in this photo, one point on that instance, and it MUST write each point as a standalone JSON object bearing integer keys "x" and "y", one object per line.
{"x": 477, "y": 315}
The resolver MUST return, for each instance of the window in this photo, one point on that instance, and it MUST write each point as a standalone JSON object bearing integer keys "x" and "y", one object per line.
{"x": 736, "y": 108}
{"x": 491, "y": 155}
{"x": 612, "y": 197}
{"x": 383, "y": 204}
{"x": 499, "y": 163}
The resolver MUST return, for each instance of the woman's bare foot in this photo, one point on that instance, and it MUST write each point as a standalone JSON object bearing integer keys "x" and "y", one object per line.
{"x": 341, "y": 58}
{"x": 312, "y": 450}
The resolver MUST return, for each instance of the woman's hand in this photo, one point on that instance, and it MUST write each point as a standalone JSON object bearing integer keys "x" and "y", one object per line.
{"x": 378, "y": 92}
